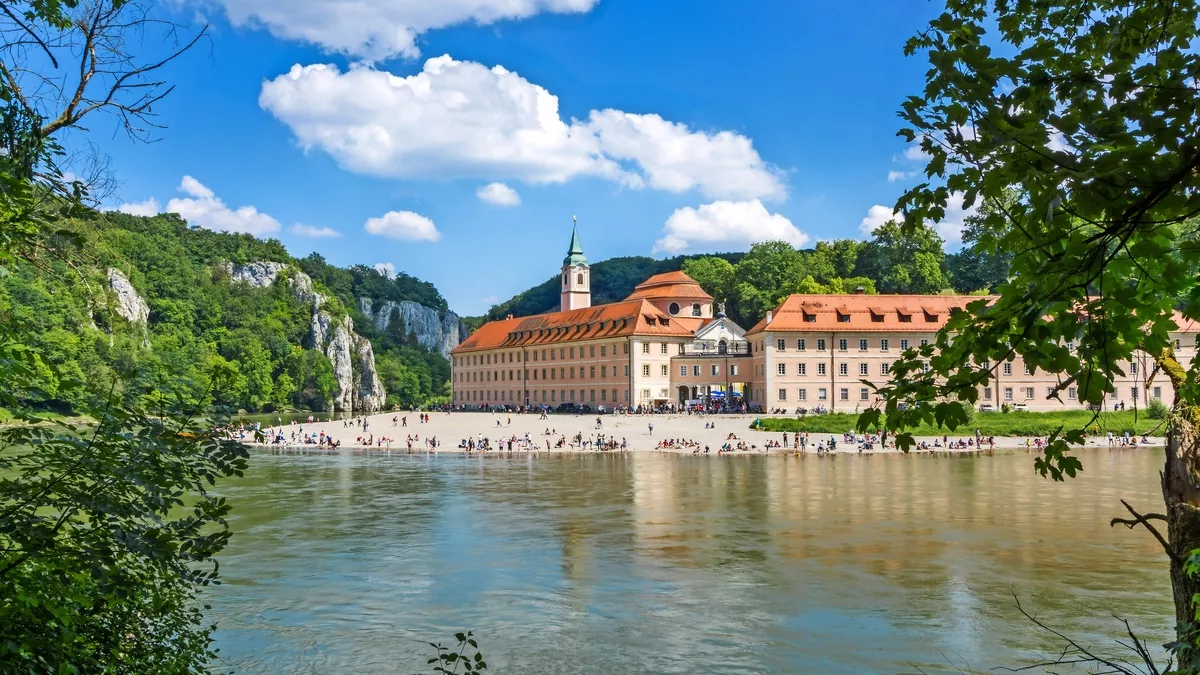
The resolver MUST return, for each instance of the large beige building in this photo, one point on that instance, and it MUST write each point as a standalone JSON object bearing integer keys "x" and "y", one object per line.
{"x": 669, "y": 343}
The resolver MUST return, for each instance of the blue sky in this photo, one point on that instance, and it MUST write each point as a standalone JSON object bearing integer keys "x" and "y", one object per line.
{"x": 681, "y": 126}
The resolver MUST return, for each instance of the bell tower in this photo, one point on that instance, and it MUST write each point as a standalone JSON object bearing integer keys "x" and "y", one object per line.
{"x": 576, "y": 275}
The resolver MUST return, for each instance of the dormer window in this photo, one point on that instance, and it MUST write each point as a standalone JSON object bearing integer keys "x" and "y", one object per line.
{"x": 810, "y": 318}
{"x": 843, "y": 318}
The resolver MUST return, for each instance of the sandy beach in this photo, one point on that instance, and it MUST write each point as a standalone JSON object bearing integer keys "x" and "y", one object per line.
{"x": 633, "y": 431}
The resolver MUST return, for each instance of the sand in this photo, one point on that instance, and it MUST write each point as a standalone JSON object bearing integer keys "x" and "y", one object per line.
{"x": 451, "y": 428}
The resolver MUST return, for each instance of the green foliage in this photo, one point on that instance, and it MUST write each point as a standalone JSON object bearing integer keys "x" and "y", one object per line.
{"x": 458, "y": 659}
{"x": 1156, "y": 409}
{"x": 1013, "y": 424}
{"x": 909, "y": 261}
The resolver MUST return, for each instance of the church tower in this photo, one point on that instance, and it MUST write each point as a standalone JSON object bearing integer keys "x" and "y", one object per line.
{"x": 576, "y": 276}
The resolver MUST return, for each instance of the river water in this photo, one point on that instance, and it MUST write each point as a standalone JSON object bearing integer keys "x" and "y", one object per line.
{"x": 654, "y": 563}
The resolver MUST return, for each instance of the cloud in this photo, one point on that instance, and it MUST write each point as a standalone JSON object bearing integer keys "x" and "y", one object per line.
{"x": 498, "y": 194}
{"x": 725, "y": 224}
{"x": 314, "y": 232}
{"x": 403, "y": 225}
{"x": 204, "y": 209}
{"x": 949, "y": 228}
{"x": 460, "y": 119}
{"x": 894, "y": 176}
{"x": 387, "y": 269}
{"x": 147, "y": 207}
{"x": 379, "y": 29}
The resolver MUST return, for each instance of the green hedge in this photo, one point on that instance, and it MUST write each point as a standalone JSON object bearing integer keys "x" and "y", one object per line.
{"x": 989, "y": 424}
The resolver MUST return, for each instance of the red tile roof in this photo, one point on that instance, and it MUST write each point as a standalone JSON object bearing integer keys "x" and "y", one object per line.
{"x": 669, "y": 285}
{"x": 618, "y": 319}
{"x": 866, "y": 313}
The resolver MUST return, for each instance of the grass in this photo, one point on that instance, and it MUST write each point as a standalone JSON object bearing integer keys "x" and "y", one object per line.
{"x": 989, "y": 424}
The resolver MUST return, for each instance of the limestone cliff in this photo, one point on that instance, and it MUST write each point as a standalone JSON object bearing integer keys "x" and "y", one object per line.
{"x": 359, "y": 387}
{"x": 130, "y": 304}
{"x": 437, "y": 331}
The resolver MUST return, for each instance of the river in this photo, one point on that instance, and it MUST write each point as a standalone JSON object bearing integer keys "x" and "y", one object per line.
{"x": 654, "y": 563}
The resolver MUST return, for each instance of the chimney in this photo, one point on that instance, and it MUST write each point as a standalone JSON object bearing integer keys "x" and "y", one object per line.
{"x": 769, "y": 316}
{"x": 859, "y": 290}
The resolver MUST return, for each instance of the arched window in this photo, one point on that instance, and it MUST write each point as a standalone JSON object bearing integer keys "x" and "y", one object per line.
{"x": 580, "y": 278}
{"x": 565, "y": 279}
{"x": 673, "y": 308}
{"x": 722, "y": 347}
{"x": 695, "y": 309}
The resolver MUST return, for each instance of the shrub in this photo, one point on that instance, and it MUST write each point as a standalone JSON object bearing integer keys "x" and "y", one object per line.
{"x": 1156, "y": 409}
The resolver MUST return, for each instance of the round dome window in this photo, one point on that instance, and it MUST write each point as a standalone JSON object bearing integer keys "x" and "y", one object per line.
{"x": 673, "y": 308}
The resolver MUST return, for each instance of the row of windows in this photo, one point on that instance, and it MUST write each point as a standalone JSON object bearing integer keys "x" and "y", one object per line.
{"x": 714, "y": 370}
{"x": 864, "y": 394}
{"x": 843, "y": 369}
{"x": 1072, "y": 393}
{"x": 552, "y": 354}
{"x": 552, "y": 396}
{"x": 884, "y": 344}
{"x": 540, "y": 374}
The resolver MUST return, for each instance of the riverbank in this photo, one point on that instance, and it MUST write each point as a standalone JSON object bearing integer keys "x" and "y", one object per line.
{"x": 1008, "y": 425}
{"x": 684, "y": 434}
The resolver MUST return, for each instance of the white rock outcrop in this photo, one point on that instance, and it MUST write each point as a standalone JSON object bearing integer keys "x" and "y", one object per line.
{"x": 353, "y": 359}
{"x": 130, "y": 304}
{"x": 439, "y": 331}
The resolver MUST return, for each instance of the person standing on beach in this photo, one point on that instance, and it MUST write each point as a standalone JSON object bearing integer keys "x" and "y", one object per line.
{"x": 652, "y": 428}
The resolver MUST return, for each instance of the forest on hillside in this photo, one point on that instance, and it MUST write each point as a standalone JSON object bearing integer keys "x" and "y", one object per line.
{"x": 200, "y": 324}
{"x": 751, "y": 283}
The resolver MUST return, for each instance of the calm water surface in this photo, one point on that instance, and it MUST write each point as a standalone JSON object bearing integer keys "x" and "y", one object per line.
{"x": 651, "y": 563}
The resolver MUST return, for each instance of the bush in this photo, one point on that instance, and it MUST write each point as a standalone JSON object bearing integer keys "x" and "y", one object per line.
{"x": 1156, "y": 409}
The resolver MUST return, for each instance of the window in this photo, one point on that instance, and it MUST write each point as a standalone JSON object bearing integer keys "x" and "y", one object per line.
{"x": 782, "y": 369}
{"x": 802, "y": 369}
{"x": 862, "y": 344}
{"x": 885, "y": 368}
{"x": 645, "y": 347}
{"x": 843, "y": 318}
{"x": 1113, "y": 395}
{"x": 821, "y": 344}
{"x": 843, "y": 369}
{"x": 573, "y": 372}
{"x": 800, "y": 344}
{"x": 1027, "y": 371}
{"x": 780, "y": 345}
{"x": 664, "y": 371}
{"x": 696, "y": 309}
{"x": 810, "y": 318}
{"x": 1073, "y": 393}
{"x": 603, "y": 350}
{"x": 1133, "y": 367}
{"x": 646, "y": 370}
{"x": 592, "y": 351}
{"x": 573, "y": 351}
{"x": 696, "y": 371}
{"x": 1049, "y": 392}
{"x": 1028, "y": 393}
{"x": 883, "y": 344}
{"x": 844, "y": 394}
{"x": 663, "y": 348}
{"x": 1008, "y": 369}
{"x": 673, "y": 308}
{"x": 645, "y": 394}
{"x": 862, "y": 369}
{"x": 783, "y": 394}
{"x": 625, "y": 348}
{"x": 1008, "y": 396}
{"x": 987, "y": 393}
{"x": 842, "y": 345}
{"x": 904, "y": 344}
{"x": 683, "y": 371}
{"x": 803, "y": 394}
{"x": 716, "y": 370}
{"x": 1133, "y": 393}
{"x": 592, "y": 372}
{"x": 821, "y": 394}
{"x": 864, "y": 394}
{"x": 820, "y": 368}
{"x": 626, "y": 371}
{"x": 733, "y": 370}
{"x": 603, "y": 371}
{"x": 1158, "y": 393}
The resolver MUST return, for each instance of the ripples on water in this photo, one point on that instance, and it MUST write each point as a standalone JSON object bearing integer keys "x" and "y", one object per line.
{"x": 678, "y": 564}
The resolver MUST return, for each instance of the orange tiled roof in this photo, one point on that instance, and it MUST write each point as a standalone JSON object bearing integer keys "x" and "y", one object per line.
{"x": 865, "y": 313}
{"x": 669, "y": 285}
{"x": 618, "y": 319}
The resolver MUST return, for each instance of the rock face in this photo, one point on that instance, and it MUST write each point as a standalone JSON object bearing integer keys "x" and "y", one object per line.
{"x": 438, "y": 331}
{"x": 353, "y": 359}
{"x": 130, "y": 304}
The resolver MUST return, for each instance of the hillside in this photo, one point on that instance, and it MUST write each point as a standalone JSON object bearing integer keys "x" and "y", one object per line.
{"x": 179, "y": 306}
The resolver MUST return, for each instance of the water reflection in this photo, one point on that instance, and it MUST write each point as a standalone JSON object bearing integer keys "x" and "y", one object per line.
{"x": 660, "y": 563}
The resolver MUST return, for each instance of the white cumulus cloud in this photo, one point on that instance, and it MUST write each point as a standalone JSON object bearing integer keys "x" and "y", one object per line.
{"x": 403, "y": 225}
{"x": 387, "y": 269}
{"x": 725, "y": 225}
{"x": 498, "y": 194}
{"x": 146, "y": 207}
{"x": 314, "y": 232}
{"x": 460, "y": 119}
{"x": 894, "y": 176}
{"x": 379, "y": 29}
{"x": 204, "y": 209}
{"x": 949, "y": 228}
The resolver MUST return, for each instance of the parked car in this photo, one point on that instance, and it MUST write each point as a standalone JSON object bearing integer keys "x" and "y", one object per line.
{"x": 987, "y": 407}
{"x": 585, "y": 409}
{"x": 1020, "y": 407}
{"x": 567, "y": 408}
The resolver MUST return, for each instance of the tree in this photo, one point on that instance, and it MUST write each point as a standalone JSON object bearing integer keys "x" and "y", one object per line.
{"x": 973, "y": 268}
{"x": 713, "y": 274}
{"x": 911, "y": 261}
{"x": 1075, "y": 126}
